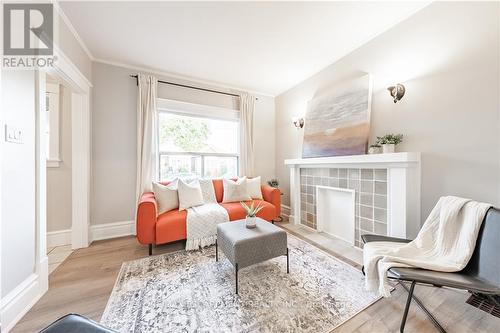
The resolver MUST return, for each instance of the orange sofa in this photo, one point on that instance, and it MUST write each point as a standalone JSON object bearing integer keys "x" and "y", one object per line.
{"x": 171, "y": 226}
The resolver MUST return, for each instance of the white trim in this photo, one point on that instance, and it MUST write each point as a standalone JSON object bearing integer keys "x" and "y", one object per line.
{"x": 54, "y": 163}
{"x": 80, "y": 175}
{"x": 359, "y": 161}
{"x": 159, "y": 72}
{"x": 72, "y": 29}
{"x": 64, "y": 70}
{"x": 112, "y": 230}
{"x": 20, "y": 300}
{"x": 58, "y": 238}
{"x": 69, "y": 73}
{"x": 198, "y": 110}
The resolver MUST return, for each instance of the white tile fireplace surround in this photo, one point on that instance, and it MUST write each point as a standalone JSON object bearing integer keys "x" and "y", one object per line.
{"x": 385, "y": 187}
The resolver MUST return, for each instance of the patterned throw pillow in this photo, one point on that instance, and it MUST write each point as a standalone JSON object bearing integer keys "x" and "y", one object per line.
{"x": 253, "y": 188}
{"x": 166, "y": 196}
{"x": 207, "y": 190}
{"x": 189, "y": 194}
{"x": 235, "y": 190}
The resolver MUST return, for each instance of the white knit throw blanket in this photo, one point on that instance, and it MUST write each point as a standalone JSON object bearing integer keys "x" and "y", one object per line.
{"x": 445, "y": 243}
{"x": 202, "y": 223}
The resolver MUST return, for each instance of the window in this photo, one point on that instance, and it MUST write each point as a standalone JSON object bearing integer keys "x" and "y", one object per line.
{"x": 52, "y": 126}
{"x": 195, "y": 146}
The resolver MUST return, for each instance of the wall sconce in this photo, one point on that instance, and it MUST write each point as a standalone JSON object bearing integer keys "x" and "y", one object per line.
{"x": 298, "y": 122}
{"x": 397, "y": 92}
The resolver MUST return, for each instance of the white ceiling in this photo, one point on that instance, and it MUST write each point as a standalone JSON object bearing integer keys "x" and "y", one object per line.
{"x": 261, "y": 46}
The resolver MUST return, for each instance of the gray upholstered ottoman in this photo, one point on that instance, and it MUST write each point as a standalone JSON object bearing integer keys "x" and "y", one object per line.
{"x": 244, "y": 247}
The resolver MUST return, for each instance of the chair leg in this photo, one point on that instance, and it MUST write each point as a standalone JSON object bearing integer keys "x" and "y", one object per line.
{"x": 407, "y": 307}
{"x": 150, "y": 249}
{"x": 236, "y": 271}
{"x": 287, "y": 261}
{"x": 420, "y": 305}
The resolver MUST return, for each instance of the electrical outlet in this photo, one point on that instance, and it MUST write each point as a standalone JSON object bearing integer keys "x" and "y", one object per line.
{"x": 13, "y": 135}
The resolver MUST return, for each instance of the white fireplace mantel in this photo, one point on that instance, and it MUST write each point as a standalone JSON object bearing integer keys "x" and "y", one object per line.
{"x": 403, "y": 186}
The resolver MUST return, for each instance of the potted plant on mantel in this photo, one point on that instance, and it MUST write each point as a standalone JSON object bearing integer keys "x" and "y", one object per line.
{"x": 251, "y": 214}
{"x": 389, "y": 142}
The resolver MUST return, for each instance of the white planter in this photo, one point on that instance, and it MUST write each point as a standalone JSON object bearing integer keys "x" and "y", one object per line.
{"x": 388, "y": 148}
{"x": 251, "y": 222}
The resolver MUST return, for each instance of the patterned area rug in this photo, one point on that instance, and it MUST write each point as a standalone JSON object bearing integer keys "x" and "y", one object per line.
{"x": 190, "y": 292}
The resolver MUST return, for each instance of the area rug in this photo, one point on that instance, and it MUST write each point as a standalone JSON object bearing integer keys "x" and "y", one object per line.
{"x": 191, "y": 292}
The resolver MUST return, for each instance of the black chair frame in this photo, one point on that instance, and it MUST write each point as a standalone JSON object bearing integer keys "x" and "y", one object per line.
{"x": 480, "y": 276}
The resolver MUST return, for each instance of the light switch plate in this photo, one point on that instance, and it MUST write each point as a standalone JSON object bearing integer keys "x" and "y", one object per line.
{"x": 13, "y": 135}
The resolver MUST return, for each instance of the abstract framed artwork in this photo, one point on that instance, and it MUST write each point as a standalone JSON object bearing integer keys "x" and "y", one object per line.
{"x": 338, "y": 123}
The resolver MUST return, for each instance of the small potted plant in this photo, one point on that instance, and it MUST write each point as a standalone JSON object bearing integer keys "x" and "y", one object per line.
{"x": 273, "y": 183}
{"x": 375, "y": 149}
{"x": 251, "y": 214}
{"x": 389, "y": 142}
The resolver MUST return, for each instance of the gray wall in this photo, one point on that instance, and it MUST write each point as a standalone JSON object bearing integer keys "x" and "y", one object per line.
{"x": 447, "y": 56}
{"x": 114, "y": 137}
{"x": 59, "y": 195}
{"x": 18, "y": 180}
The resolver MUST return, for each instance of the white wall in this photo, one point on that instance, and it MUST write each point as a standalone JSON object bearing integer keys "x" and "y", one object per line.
{"x": 114, "y": 137}
{"x": 59, "y": 178}
{"x": 18, "y": 180}
{"x": 447, "y": 56}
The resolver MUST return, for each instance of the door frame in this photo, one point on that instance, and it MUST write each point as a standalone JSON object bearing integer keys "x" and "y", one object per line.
{"x": 70, "y": 76}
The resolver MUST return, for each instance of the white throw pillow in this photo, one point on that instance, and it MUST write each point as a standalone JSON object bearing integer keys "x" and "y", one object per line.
{"x": 207, "y": 190}
{"x": 235, "y": 190}
{"x": 189, "y": 194}
{"x": 166, "y": 196}
{"x": 253, "y": 188}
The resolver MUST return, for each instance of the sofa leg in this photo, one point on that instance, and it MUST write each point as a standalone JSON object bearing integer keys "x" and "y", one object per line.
{"x": 150, "y": 249}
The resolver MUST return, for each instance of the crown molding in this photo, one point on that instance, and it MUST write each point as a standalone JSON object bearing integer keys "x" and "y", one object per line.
{"x": 208, "y": 84}
{"x": 72, "y": 29}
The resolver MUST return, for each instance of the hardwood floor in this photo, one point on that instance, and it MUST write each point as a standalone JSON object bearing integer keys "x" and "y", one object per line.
{"x": 82, "y": 284}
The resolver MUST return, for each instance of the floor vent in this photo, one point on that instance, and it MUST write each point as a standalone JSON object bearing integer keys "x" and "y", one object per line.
{"x": 483, "y": 303}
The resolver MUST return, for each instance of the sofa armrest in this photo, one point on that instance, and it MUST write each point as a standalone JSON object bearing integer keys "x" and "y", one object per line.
{"x": 273, "y": 196}
{"x": 146, "y": 219}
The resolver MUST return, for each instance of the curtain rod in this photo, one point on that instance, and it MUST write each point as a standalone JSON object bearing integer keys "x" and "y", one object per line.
{"x": 191, "y": 87}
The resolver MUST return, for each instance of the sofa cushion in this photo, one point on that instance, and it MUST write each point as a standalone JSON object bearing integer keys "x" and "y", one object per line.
{"x": 236, "y": 212}
{"x": 190, "y": 195}
{"x": 171, "y": 226}
{"x": 166, "y": 196}
{"x": 254, "y": 188}
{"x": 235, "y": 191}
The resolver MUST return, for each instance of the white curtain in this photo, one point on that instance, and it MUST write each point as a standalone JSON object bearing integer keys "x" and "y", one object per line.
{"x": 146, "y": 132}
{"x": 247, "y": 107}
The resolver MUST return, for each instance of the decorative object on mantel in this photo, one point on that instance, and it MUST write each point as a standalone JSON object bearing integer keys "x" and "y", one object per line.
{"x": 389, "y": 142}
{"x": 251, "y": 214}
{"x": 338, "y": 123}
{"x": 375, "y": 149}
{"x": 397, "y": 92}
{"x": 298, "y": 122}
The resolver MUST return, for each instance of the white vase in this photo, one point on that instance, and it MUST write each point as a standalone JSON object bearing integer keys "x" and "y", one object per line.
{"x": 251, "y": 222}
{"x": 388, "y": 148}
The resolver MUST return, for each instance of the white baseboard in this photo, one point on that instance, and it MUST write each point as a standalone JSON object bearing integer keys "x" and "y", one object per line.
{"x": 22, "y": 298}
{"x": 285, "y": 208}
{"x": 112, "y": 230}
{"x": 58, "y": 238}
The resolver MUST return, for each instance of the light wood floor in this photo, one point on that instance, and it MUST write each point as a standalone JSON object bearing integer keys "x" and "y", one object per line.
{"x": 82, "y": 284}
